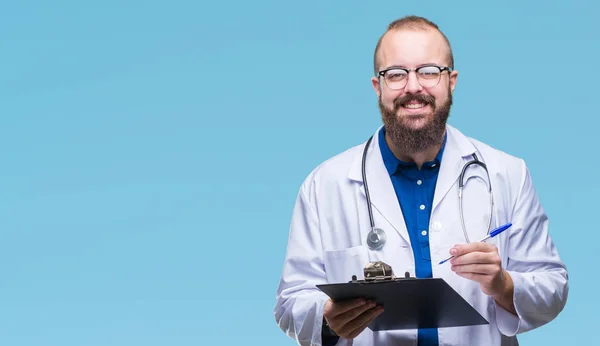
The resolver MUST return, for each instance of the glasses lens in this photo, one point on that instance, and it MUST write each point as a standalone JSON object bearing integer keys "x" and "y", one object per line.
{"x": 396, "y": 79}
{"x": 429, "y": 76}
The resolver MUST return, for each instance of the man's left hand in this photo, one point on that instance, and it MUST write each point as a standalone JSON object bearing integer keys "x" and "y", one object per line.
{"x": 481, "y": 263}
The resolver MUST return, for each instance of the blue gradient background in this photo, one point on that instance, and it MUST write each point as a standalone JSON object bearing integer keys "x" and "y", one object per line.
{"x": 151, "y": 151}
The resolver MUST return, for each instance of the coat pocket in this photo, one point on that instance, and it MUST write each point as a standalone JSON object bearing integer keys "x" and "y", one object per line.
{"x": 341, "y": 264}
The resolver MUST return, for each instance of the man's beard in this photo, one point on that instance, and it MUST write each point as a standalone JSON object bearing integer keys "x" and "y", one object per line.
{"x": 411, "y": 141}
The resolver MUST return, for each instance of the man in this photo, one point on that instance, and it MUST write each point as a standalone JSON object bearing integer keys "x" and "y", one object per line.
{"x": 516, "y": 280}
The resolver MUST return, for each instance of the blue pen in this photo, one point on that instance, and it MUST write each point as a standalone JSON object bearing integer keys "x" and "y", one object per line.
{"x": 491, "y": 235}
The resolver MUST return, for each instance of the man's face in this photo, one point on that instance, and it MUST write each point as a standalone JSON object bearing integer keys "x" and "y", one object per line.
{"x": 415, "y": 115}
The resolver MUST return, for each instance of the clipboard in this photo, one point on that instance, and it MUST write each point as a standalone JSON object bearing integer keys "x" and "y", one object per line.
{"x": 408, "y": 302}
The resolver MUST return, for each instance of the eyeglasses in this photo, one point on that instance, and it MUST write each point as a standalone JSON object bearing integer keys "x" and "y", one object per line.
{"x": 428, "y": 76}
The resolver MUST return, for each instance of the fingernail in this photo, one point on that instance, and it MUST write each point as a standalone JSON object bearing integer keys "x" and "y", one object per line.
{"x": 453, "y": 251}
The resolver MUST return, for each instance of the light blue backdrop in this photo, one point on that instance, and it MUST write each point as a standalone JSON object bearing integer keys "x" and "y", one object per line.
{"x": 151, "y": 151}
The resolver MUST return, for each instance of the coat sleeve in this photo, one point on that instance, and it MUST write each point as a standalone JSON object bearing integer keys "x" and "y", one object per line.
{"x": 299, "y": 303}
{"x": 540, "y": 277}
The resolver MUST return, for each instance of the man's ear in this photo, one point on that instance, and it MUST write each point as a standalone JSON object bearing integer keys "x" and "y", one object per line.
{"x": 376, "y": 86}
{"x": 453, "y": 80}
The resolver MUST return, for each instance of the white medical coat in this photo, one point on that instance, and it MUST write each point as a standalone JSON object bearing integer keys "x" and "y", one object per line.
{"x": 330, "y": 223}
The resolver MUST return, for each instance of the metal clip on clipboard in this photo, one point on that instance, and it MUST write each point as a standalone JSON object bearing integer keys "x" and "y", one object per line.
{"x": 408, "y": 302}
{"x": 377, "y": 272}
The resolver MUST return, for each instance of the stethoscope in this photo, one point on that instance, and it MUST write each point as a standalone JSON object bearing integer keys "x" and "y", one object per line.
{"x": 377, "y": 237}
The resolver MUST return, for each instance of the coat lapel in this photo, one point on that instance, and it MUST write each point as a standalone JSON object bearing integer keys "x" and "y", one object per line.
{"x": 381, "y": 191}
{"x": 456, "y": 154}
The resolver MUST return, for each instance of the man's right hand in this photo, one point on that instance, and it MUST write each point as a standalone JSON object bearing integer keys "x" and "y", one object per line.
{"x": 349, "y": 318}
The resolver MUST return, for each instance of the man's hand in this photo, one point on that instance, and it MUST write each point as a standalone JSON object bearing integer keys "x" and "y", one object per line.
{"x": 481, "y": 263}
{"x": 348, "y": 319}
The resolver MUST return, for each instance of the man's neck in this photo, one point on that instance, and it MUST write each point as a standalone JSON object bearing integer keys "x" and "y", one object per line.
{"x": 418, "y": 158}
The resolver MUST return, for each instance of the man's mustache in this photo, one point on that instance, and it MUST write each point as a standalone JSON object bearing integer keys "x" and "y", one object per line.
{"x": 426, "y": 99}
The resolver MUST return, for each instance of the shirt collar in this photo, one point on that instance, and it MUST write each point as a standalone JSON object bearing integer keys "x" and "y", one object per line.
{"x": 392, "y": 163}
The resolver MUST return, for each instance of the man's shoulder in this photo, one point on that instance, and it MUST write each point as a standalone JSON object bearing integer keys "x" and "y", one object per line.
{"x": 499, "y": 161}
{"x": 337, "y": 167}
{"x": 490, "y": 151}
{"x": 498, "y": 154}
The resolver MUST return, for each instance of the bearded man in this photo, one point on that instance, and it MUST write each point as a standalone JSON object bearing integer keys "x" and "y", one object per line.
{"x": 410, "y": 215}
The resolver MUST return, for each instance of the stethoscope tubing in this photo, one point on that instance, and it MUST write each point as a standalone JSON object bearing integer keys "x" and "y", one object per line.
{"x": 379, "y": 234}
{"x": 364, "y": 176}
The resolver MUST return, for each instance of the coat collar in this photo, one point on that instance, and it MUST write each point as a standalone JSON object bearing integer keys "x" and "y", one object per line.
{"x": 457, "y": 152}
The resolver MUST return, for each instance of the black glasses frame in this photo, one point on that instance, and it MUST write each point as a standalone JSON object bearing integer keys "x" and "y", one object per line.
{"x": 408, "y": 70}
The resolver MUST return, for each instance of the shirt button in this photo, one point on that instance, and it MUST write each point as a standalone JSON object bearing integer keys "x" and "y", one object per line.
{"x": 419, "y": 182}
{"x": 433, "y": 165}
{"x": 422, "y": 207}
{"x": 424, "y": 232}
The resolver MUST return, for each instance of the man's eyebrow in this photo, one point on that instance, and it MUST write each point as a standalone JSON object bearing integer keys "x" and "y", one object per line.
{"x": 396, "y": 66}
{"x": 420, "y": 65}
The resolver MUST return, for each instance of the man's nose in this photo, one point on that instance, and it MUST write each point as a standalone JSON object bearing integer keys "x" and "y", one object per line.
{"x": 412, "y": 83}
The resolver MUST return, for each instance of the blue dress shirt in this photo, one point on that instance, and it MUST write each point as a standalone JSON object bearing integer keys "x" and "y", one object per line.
{"x": 414, "y": 189}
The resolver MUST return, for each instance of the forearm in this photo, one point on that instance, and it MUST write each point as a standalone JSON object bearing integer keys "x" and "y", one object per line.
{"x": 300, "y": 314}
{"x": 538, "y": 297}
{"x": 506, "y": 298}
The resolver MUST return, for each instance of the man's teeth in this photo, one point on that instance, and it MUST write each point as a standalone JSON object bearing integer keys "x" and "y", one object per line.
{"x": 414, "y": 105}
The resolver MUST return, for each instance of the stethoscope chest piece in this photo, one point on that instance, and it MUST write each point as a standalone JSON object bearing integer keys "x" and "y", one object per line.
{"x": 376, "y": 239}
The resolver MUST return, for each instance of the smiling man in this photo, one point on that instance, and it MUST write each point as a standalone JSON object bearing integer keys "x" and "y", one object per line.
{"x": 413, "y": 165}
